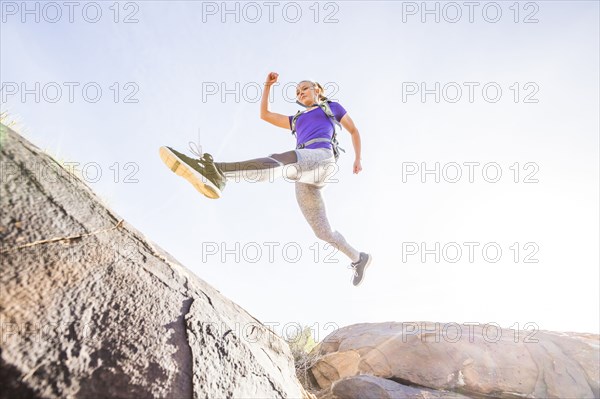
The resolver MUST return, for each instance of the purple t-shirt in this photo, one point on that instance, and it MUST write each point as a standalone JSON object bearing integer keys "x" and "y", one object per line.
{"x": 316, "y": 124}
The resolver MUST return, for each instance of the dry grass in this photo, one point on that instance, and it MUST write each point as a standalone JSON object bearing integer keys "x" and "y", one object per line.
{"x": 302, "y": 346}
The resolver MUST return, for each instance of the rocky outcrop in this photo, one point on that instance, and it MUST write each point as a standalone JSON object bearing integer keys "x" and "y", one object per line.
{"x": 397, "y": 360}
{"x": 367, "y": 386}
{"x": 91, "y": 308}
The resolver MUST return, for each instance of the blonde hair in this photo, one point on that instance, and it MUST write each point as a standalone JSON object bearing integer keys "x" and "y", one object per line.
{"x": 316, "y": 84}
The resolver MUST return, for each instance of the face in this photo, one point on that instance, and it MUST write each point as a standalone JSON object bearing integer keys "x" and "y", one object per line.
{"x": 306, "y": 93}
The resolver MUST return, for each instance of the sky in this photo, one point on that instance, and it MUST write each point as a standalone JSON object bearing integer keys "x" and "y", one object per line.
{"x": 479, "y": 194}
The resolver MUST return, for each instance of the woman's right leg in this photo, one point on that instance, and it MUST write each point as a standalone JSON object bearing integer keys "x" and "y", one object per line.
{"x": 312, "y": 206}
{"x": 258, "y": 169}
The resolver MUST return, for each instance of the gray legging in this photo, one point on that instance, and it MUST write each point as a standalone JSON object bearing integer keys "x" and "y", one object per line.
{"x": 310, "y": 169}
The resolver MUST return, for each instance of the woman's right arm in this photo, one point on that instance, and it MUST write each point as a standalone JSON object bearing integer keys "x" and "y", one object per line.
{"x": 273, "y": 118}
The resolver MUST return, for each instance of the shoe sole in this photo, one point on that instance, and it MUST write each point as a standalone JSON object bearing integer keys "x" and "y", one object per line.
{"x": 365, "y": 270}
{"x": 180, "y": 168}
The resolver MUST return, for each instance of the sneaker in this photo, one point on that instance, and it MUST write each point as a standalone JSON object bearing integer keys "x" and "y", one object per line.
{"x": 202, "y": 173}
{"x": 359, "y": 268}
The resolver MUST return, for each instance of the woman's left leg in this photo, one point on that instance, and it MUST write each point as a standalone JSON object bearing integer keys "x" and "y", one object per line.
{"x": 312, "y": 206}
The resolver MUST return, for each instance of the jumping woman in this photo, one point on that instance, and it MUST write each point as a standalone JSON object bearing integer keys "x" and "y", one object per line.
{"x": 315, "y": 154}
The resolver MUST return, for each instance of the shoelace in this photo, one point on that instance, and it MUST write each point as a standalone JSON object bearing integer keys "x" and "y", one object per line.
{"x": 353, "y": 267}
{"x": 196, "y": 149}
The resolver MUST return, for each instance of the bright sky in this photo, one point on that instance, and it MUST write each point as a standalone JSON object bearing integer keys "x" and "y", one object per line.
{"x": 183, "y": 68}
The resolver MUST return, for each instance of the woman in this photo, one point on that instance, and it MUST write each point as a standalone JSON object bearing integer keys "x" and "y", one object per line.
{"x": 307, "y": 165}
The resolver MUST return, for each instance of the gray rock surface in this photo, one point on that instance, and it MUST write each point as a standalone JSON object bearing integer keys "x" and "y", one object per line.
{"x": 476, "y": 361}
{"x": 367, "y": 386}
{"x": 91, "y": 308}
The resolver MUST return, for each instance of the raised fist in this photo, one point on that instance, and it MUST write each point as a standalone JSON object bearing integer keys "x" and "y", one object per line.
{"x": 272, "y": 78}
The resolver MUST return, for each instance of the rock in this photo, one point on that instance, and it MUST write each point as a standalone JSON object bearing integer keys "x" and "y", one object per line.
{"x": 367, "y": 386}
{"x": 473, "y": 360}
{"x": 91, "y": 308}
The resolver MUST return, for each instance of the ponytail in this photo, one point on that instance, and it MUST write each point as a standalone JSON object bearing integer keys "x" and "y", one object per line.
{"x": 321, "y": 96}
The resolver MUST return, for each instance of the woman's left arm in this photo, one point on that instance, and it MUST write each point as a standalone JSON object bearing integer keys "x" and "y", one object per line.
{"x": 348, "y": 124}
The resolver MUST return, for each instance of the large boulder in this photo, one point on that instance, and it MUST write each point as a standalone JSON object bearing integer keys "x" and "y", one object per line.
{"x": 91, "y": 308}
{"x": 368, "y": 386}
{"x": 478, "y": 361}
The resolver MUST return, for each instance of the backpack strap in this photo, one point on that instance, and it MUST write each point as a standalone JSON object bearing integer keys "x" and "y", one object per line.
{"x": 294, "y": 119}
{"x": 317, "y": 140}
{"x": 327, "y": 109}
{"x": 334, "y": 142}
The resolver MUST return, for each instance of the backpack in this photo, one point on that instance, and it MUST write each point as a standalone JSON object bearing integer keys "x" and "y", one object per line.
{"x": 324, "y": 105}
